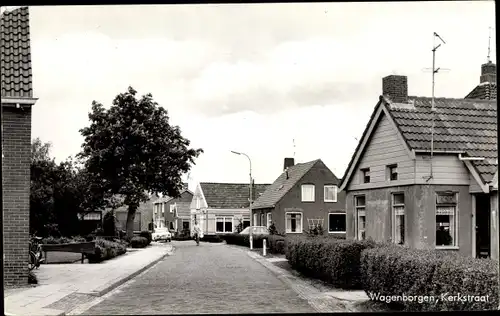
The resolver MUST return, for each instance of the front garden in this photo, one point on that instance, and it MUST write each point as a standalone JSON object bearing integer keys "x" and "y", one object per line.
{"x": 394, "y": 276}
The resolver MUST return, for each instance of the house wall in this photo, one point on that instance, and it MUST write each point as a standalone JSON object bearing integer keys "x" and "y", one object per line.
{"x": 495, "y": 226}
{"x": 121, "y": 217}
{"x": 384, "y": 148}
{"x": 319, "y": 175}
{"x": 420, "y": 205}
{"x": 185, "y": 197}
{"x": 236, "y": 214}
{"x": 16, "y": 149}
{"x": 446, "y": 169}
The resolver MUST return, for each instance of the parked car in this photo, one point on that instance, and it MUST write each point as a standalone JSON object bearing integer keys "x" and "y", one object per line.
{"x": 256, "y": 230}
{"x": 162, "y": 234}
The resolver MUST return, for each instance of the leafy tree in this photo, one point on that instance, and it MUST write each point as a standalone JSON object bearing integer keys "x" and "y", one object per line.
{"x": 133, "y": 150}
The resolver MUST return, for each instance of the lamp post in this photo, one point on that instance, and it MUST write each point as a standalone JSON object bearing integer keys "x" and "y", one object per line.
{"x": 250, "y": 199}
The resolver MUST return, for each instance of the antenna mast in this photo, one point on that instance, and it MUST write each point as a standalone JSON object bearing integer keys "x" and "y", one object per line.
{"x": 433, "y": 107}
{"x": 489, "y": 43}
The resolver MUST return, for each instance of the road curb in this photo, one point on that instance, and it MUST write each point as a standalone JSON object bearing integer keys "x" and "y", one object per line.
{"x": 131, "y": 276}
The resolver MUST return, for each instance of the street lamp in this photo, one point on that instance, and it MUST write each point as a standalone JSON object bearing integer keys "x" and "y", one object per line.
{"x": 250, "y": 200}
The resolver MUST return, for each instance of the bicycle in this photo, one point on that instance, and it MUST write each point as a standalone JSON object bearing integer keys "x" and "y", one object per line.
{"x": 35, "y": 253}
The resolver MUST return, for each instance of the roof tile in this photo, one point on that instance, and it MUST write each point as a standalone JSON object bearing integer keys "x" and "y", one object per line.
{"x": 230, "y": 195}
{"x": 16, "y": 54}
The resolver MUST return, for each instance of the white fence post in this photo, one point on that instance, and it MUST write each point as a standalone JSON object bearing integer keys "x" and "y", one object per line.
{"x": 264, "y": 246}
{"x": 251, "y": 242}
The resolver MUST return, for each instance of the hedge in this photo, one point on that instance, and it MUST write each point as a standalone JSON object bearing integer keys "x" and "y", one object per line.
{"x": 276, "y": 244}
{"x": 105, "y": 250}
{"x": 148, "y": 235}
{"x": 401, "y": 272}
{"x": 211, "y": 238}
{"x": 244, "y": 240}
{"x": 332, "y": 260}
{"x": 139, "y": 242}
{"x": 62, "y": 240}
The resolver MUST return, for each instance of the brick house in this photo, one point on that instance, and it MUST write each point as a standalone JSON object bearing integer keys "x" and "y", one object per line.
{"x": 396, "y": 190}
{"x": 304, "y": 195}
{"x": 173, "y": 213}
{"x": 17, "y": 100}
{"x": 143, "y": 219}
{"x": 224, "y": 204}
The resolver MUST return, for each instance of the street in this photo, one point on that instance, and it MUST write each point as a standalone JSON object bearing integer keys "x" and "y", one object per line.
{"x": 210, "y": 278}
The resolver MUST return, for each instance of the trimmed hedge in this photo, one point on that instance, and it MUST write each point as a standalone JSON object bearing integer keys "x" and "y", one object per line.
{"x": 211, "y": 238}
{"x": 244, "y": 240}
{"x": 332, "y": 260}
{"x": 276, "y": 244}
{"x": 398, "y": 271}
{"x": 139, "y": 242}
{"x": 105, "y": 250}
{"x": 148, "y": 235}
{"x": 62, "y": 240}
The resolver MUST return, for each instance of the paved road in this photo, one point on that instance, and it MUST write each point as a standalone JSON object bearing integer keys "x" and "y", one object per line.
{"x": 210, "y": 278}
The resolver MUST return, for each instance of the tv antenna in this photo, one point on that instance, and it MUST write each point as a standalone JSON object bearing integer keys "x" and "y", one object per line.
{"x": 489, "y": 43}
{"x": 433, "y": 107}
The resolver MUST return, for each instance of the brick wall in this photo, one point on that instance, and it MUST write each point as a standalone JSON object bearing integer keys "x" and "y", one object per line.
{"x": 396, "y": 88}
{"x": 16, "y": 148}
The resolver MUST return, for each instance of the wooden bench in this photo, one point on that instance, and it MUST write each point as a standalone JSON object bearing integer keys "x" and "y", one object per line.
{"x": 85, "y": 248}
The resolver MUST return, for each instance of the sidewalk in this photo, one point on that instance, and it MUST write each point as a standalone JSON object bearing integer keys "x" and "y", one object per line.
{"x": 323, "y": 298}
{"x": 62, "y": 287}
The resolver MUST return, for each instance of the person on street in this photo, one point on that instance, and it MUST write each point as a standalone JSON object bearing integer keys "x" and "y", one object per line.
{"x": 197, "y": 233}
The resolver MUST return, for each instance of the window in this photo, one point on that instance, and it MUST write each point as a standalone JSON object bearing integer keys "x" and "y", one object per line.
{"x": 398, "y": 211}
{"x": 162, "y": 209}
{"x": 330, "y": 193}
{"x": 293, "y": 222}
{"x": 185, "y": 225}
{"x": 446, "y": 220}
{"x": 198, "y": 203}
{"x": 262, "y": 219}
{"x": 360, "y": 204}
{"x": 246, "y": 223}
{"x": 392, "y": 172}
{"x": 269, "y": 220}
{"x": 224, "y": 225}
{"x": 336, "y": 223}
{"x": 172, "y": 208}
{"x": 308, "y": 193}
{"x": 94, "y": 216}
{"x": 255, "y": 217}
{"x": 172, "y": 225}
{"x": 366, "y": 175}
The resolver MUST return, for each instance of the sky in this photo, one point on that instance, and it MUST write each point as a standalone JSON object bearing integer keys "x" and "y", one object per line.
{"x": 270, "y": 80}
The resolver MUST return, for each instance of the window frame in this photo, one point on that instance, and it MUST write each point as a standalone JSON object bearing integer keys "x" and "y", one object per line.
{"x": 357, "y": 210}
{"x": 269, "y": 219}
{"x": 288, "y": 231}
{"x": 390, "y": 168}
{"x": 337, "y": 213}
{"x": 172, "y": 207}
{"x": 224, "y": 221}
{"x": 455, "y": 232}
{"x": 394, "y": 216}
{"x": 330, "y": 186}
{"x": 365, "y": 173}
{"x": 313, "y": 192}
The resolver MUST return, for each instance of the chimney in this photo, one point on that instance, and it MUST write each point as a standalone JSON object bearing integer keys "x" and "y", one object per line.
{"x": 289, "y": 162}
{"x": 488, "y": 73}
{"x": 395, "y": 87}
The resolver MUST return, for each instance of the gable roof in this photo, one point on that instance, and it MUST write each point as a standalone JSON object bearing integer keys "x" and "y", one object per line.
{"x": 16, "y": 54}
{"x": 484, "y": 91}
{"x": 282, "y": 185}
{"x": 229, "y": 195}
{"x": 166, "y": 199}
{"x": 468, "y": 126}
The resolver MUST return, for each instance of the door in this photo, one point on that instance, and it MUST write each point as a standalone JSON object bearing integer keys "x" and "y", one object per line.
{"x": 483, "y": 226}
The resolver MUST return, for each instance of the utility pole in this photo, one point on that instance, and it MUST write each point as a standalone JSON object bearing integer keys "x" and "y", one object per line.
{"x": 250, "y": 200}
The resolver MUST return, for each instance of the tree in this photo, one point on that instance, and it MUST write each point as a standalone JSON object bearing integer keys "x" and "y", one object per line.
{"x": 134, "y": 151}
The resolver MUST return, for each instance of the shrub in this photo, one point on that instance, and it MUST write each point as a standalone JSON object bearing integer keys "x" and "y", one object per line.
{"x": 105, "y": 250}
{"x": 62, "y": 240}
{"x": 182, "y": 238}
{"x": 239, "y": 227}
{"x": 32, "y": 279}
{"x": 276, "y": 244}
{"x": 244, "y": 240}
{"x": 394, "y": 270}
{"x": 148, "y": 235}
{"x": 332, "y": 260}
{"x": 272, "y": 229}
{"x": 316, "y": 230}
{"x": 138, "y": 242}
{"x": 211, "y": 238}
{"x": 109, "y": 224}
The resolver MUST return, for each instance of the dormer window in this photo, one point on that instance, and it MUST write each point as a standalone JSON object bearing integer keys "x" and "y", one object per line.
{"x": 365, "y": 174}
